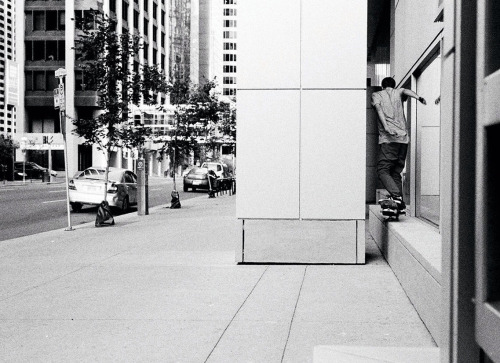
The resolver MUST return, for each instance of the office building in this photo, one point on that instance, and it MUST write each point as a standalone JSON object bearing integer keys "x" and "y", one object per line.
{"x": 9, "y": 91}
{"x": 229, "y": 48}
{"x": 176, "y": 36}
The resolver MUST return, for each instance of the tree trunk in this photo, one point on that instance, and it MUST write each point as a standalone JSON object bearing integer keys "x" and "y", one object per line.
{"x": 106, "y": 173}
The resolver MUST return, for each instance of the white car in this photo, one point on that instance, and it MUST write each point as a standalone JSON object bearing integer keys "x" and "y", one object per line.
{"x": 220, "y": 169}
{"x": 88, "y": 188}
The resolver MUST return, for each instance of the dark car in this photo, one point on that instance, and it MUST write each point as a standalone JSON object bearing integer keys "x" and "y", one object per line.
{"x": 196, "y": 179}
{"x": 31, "y": 170}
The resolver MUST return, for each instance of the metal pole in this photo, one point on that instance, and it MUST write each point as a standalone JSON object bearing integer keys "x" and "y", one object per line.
{"x": 60, "y": 73}
{"x": 62, "y": 117}
{"x": 50, "y": 162}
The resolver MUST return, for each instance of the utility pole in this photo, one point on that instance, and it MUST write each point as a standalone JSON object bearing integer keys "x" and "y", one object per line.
{"x": 60, "y": 102}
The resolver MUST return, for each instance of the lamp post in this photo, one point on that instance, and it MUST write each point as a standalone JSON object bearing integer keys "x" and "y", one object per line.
{"x": 60, "y": 102}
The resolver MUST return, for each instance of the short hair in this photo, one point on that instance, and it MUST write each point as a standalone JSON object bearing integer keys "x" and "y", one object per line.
{"x": 388, "y": 82}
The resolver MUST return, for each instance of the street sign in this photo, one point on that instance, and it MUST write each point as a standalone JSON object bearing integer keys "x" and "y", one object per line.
{"x": 61, "y": 72}
{"x": 140, "y": 164}
{"x": 56, "y": 98}
{"x": 62, "y": 99}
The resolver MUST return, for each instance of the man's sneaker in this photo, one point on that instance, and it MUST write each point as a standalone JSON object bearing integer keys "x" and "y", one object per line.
{"x": 401, "y": 204}
{"x": 389, "y": 207}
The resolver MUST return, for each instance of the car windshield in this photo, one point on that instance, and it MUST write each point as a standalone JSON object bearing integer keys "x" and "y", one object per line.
{"x": 199, "y": 171}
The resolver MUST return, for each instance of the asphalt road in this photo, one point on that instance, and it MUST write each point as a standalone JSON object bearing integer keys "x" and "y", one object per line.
{"x": 38, "y": 207}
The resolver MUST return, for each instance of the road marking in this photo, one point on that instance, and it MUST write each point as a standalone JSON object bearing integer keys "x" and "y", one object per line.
{"x": 6, "y": 189}
{"x": 157, "y": 189}
{"x": 57, "y": 191}
{"x": 54, "y": 201}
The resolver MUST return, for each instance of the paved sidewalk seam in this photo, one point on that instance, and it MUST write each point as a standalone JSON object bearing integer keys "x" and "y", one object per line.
{"x": 293, "y": 315}
{"x": 235, "y": 314}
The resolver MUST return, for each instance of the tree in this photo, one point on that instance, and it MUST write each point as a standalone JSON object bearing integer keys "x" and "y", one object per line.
{"x": 109, "y": 68}
{"x": 7, "y": 147}
{"x": 201, "y": 120}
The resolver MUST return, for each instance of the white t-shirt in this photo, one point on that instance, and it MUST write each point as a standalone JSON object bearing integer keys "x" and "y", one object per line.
{"x": 391, "y": 103}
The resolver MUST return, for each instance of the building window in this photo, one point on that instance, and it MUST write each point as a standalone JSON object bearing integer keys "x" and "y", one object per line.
{"x": 229, "y": 12}
{"x": 229, "y": 69}
{"x": 39, "y": 78}
{"x": 155, "y": 9}
{"x": 136, "y": 19}
{"x": 229, "y": 92}
{"x": 229, "y": 23}
{"x": 229, "y": 2}
{"x": 112, "y": 6}
{"x": 163, "y": 14}
{"x": 146, "y": 5}
{"x": 229, "y": 80}
{"x": 427, "y": 139}
{"x": 125, "y": 11}
{"x": 229, "y": 46}
{"x": 146, "y": 26}
{"x": 48, "y": 50}
{"x": 89, "y": 16}
{"x": 155, "y": 31}
{"x": 229, "y": 35}
{"x": 146, "y": 52}
{"x": 38, "y": 20}
{"x": 50, "y": 20}
{"x": 61, "y": 20}
{"x": 29, "y": 80}
{"x": 229, "y": 58}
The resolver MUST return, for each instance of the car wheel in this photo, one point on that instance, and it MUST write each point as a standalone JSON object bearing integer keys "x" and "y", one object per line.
{"x": 125, "y": 205}
{"x": 185, "y": 188}
{"x": 76, "y": 207}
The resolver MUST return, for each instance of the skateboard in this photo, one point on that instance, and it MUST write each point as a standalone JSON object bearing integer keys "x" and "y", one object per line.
{"x": 390, "y": 209}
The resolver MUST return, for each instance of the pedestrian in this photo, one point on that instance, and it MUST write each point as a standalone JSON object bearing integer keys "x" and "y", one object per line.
{"x": 393, "y": 136}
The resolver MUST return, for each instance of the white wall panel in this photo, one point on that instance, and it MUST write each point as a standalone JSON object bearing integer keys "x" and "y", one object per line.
{"x": 268, "y": 44}
{"x": 334, "y": 44}
{"x": 268, "y": 154}
{"x": 333, "y": 156}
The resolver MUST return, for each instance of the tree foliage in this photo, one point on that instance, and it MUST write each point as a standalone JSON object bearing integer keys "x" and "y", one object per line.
{"x": 7, "y": 147}
{"x": 201, "y": 120}
{"x": 110, "y": 68}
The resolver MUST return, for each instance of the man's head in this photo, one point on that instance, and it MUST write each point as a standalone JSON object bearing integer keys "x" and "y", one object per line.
{"x": 388, "y": 82}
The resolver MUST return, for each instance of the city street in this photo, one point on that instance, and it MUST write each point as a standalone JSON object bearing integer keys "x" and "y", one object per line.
{"x": 38, "y": 207}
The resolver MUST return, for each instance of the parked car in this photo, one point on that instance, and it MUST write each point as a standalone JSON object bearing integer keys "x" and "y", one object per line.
{"x": 225, "y": 178}
{"x": 89, "y": 172}
{"x": 221, "y": 170}
{"x": 31, "y": 170}
{"x": 196, "y": 179}
{"x": 88, "y": 188}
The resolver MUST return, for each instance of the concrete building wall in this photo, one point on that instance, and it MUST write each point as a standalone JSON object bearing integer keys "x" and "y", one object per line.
{"x": 301, "y": 126}
{"x": 409, "y": 37}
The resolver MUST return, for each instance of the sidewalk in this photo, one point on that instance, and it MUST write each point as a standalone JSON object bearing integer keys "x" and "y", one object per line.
{"x": 165, "y": 288}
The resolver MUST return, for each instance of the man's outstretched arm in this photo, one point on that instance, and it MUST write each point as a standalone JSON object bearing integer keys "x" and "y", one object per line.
{"x": 410, "y": 93}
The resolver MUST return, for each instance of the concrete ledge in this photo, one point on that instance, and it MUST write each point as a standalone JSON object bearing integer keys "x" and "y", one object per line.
{"x": 353, "y": 354}
{"x": 413, "y": 250}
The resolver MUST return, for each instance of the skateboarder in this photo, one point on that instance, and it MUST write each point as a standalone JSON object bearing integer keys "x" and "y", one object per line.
{"x": 393, "y": 137}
